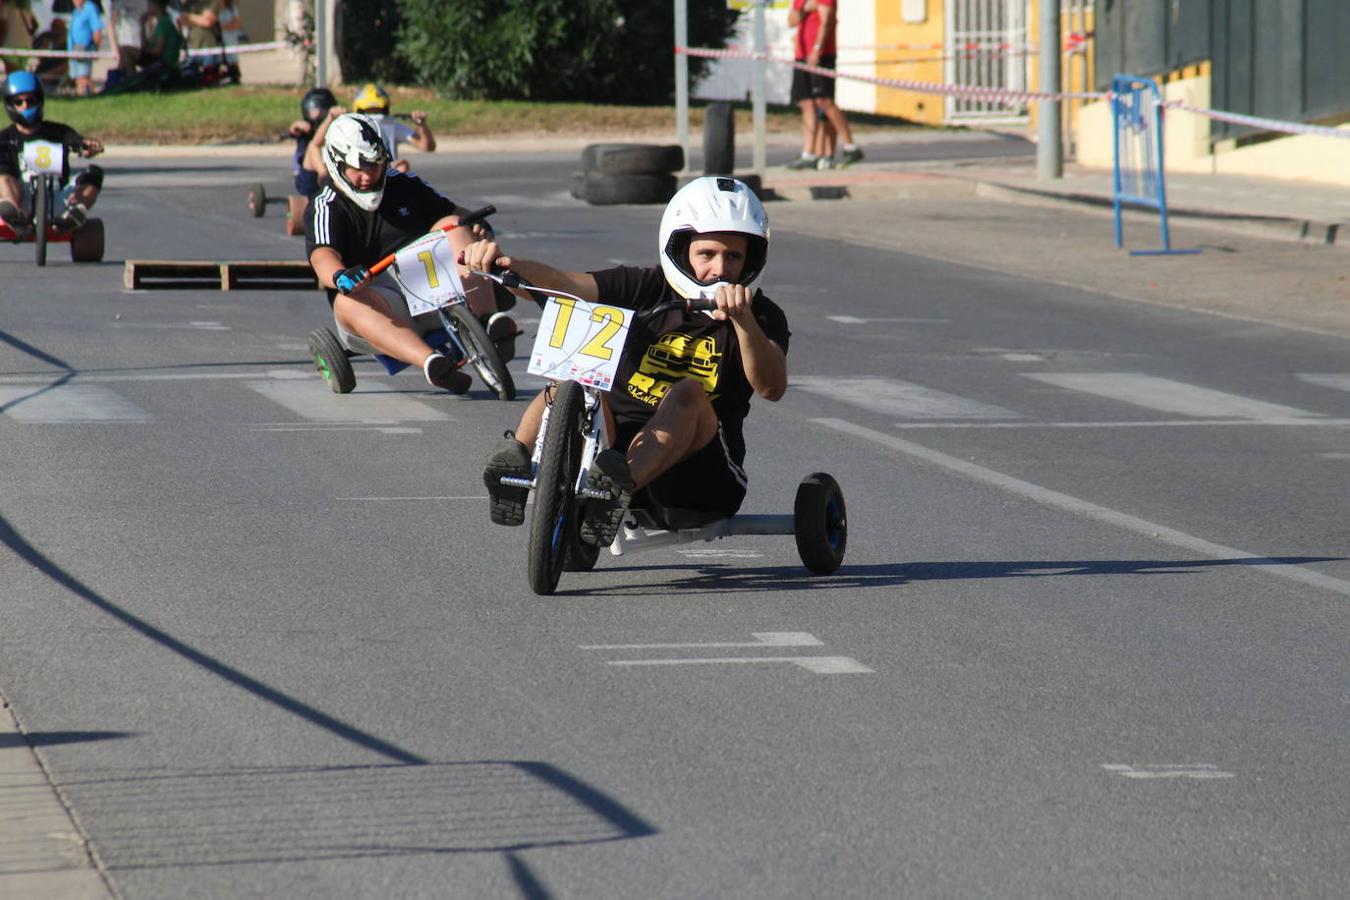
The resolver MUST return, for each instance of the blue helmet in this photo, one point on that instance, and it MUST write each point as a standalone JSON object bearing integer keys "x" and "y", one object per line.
{"x": 20, "y": 84}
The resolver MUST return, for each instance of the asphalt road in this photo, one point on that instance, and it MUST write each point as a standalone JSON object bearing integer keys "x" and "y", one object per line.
{"x": 1089, "y": 638}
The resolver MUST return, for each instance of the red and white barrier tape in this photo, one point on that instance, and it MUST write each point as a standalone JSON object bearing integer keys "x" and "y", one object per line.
{"x": 998, "y": 94}
{"x": 922, "y": 87}
{"x": 1258, "y": 121}
{"x": 108, "y": 54}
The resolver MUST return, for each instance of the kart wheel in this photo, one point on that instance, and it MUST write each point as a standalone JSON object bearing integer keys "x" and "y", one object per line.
{"x": 553, "y": 527}
{"x": 257, "y": 200}
{"x": 295, "y": 214}
{"x": 820, "y": 523}
{"x": 86, "y": 243}
{"x": 331, "y": 360}
{"x": 580, "y": 556}
{"x": 41, "y": 220}
{"x": 482, "y": 354}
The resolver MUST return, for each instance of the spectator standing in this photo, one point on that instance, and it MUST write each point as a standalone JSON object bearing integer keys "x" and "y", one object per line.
{"x": 232, "y": 33}
{"x": 52, "y": 70}
{"x": 86, "y": 33}
{"x": 814, "y": 44}
{"x": 124, "y": 19}
{"x": 163, "y": 48}
{"x": 201, "y": 18}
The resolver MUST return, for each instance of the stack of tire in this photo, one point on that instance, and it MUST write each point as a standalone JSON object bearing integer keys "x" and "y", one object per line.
{"x": 627, "y": 173}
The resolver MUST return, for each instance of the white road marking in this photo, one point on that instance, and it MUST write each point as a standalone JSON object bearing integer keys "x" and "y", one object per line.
{"x": 713, "y": 553}
{"x": 899, "y": 398}
{"x": 100, "y": 378}
{"x": 1086, "y": 509}
{"x": 313, "y": 401}
{"x": 1022, "y": 357}
{"x": 1338, "y": 380}
{"x": 1166, "y": 395}
{"x": 1334, "y": 455}
{"x": 854, "y": 320}
{"x": 820, "y": 665}
{"x": 1193, "y": 770}
{"x": 382, "y": 429}
{"x": 403, "y": 499}
{"x": 761, "y": 639}
{"x": 67, "y": 404}
{"x": 1155, "y": 423}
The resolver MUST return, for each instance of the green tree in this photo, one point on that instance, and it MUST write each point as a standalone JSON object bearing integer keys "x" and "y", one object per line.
{"x": 366, "y": 37}
{"x": 607, "y": 51}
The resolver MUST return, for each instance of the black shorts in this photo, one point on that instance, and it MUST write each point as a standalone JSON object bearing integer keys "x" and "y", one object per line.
{"x": 708, "y": 480}
{"x": 808, "y": 86}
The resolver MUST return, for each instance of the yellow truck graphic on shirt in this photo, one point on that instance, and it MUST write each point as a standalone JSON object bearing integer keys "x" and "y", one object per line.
{"x": 672, "y": 357}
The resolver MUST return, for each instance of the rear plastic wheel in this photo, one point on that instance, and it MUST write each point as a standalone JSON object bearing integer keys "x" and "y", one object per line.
{"x": 330, "y": 358}
{"x": 86, "y": 243}
{"x": 632, "y": 159}
{"x": 820, "y": 523}
{"x": 296, "y": 206}
{"x": 257, "y": 200}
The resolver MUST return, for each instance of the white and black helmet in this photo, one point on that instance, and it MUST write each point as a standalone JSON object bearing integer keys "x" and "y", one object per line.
{"x": 706, "y": 205}
{"x": 355, "y": 140}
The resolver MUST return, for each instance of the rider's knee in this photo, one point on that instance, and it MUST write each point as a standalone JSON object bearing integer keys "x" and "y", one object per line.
{"x": 92, "y": 176}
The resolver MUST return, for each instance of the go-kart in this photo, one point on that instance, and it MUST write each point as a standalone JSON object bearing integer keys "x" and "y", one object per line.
{"x": 296, "y": 205}
{"x": 578, "y": 347}
{"x": 426, "y": 270}
{"x": 41, "y": 164}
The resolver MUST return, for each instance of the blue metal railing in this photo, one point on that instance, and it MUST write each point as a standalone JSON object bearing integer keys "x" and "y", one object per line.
{"x": 1138, "y": 177}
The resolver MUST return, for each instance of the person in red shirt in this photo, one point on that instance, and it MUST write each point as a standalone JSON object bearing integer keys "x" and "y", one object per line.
{"x": 815, "y": 21}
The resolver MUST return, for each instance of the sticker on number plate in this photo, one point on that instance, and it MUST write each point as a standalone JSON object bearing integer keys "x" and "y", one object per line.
{"x": 580, "y": 341}
{"x": 43, "y": 157}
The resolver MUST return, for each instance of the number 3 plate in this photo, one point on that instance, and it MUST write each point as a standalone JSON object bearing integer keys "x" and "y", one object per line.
{"x": 579, "y": 341}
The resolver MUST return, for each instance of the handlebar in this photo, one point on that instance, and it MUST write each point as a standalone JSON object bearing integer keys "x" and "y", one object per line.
{"x": 474, "y": 218}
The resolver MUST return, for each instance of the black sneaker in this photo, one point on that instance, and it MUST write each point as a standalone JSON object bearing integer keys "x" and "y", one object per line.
{"x": 502, "y": 330}
{"x": 848, "y": 157}
{"x": 72, "y": 217}
{"x": 14, "y": 218}
{"x": 608, "y": 473}
{"x": 443, "y": 373}
{"x": 506, "y": 505}
{"x": 802, "y": 162}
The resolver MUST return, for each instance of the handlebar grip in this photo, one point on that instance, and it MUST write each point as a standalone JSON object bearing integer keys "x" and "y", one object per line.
{"x": 700, "y": 303}
{"x": 478, "y": 215}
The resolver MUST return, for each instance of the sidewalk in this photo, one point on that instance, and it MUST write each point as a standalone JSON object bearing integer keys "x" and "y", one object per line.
{"x": 1264, "y": 207}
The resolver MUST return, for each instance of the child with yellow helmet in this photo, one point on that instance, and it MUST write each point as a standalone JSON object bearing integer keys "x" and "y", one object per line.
{"x": 373, "y": 100}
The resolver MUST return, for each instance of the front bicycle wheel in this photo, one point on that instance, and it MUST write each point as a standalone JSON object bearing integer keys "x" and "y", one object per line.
{"x": 554, "y": 523}
{"x": 41, "y": 218}
{"x": 481, "y": 352}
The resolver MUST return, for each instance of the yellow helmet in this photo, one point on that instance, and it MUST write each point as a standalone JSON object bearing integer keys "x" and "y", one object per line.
{"x": 371, "y": 99}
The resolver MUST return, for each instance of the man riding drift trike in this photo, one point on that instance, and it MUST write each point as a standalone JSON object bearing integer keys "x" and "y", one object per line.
{"x": 664, "y": 434}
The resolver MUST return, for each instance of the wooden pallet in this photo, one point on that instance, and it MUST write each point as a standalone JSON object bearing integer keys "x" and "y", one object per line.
{"x": 188, "y": 274}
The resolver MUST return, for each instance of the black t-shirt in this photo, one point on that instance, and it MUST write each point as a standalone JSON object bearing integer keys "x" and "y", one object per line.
{"x": 12, "y": 141}
{"x": 675, "y": 346}
{"x": 407, "y": 210}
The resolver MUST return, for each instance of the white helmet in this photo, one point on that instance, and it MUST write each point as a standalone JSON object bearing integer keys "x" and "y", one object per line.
{"x": 355, "y": 140}
{"x": 714, "y": 203}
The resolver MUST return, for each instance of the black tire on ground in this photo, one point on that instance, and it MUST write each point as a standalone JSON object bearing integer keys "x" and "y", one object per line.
{"x": 581, "y": 556}
{"x": 719, "y": 139}
{"x": 632, "y": 159}
{"x": 41, "y": 219}
{"x": 578, "y": 188}
{"x": 482, "y": 354}
{"x": 257, "y": 201}
{"x": 330, "y": 358}
{"x": 553, "y": 526}
{"x": 820, "y": 523}
{"x": 608, "y": 190}
{"x": 86, "y": 244}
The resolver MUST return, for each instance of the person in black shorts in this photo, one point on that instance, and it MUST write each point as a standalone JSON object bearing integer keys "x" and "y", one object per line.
{"x": 823, "y": 122}
{"x": 684, "y": 381}
{"x": 365, "y": 212}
